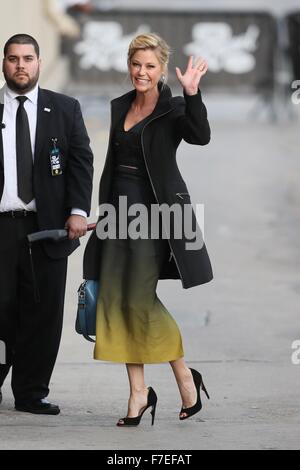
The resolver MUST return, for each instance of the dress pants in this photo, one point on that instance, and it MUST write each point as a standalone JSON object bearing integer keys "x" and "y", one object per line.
{"x": 31, "y": 330}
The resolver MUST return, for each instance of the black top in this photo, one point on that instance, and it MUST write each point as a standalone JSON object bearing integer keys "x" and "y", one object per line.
{"x": 128, "y": 147}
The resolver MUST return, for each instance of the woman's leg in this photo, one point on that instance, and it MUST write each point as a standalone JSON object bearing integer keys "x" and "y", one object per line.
{"x": 185, "y": 383}
{"x": 138, "y": 390}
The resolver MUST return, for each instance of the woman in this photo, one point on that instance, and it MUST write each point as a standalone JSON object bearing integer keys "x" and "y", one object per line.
{"x": 133, "y": 326}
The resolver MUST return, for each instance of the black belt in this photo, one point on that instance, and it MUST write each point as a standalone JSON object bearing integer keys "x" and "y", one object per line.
{"x": 17, "y": 214}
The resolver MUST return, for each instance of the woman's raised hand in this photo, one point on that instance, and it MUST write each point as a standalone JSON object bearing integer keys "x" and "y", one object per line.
{"x": 191, "y": 78}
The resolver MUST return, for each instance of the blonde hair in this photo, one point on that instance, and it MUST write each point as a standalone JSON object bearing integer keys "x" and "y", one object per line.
{"x": 156, "y": 44}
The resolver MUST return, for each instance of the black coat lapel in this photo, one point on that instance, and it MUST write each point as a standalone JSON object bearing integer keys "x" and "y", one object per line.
{"x": 122, "y": 104}
{"x": 44, "y": 112}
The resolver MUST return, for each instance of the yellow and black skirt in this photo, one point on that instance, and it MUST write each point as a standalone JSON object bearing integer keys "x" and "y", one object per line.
{"x": 133, "y": 326}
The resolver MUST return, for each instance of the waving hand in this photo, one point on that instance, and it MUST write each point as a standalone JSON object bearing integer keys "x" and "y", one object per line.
{"x": 191, "y": 78}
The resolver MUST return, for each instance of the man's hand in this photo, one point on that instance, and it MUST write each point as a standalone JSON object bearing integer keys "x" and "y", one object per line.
{"x": 76, "y": 226}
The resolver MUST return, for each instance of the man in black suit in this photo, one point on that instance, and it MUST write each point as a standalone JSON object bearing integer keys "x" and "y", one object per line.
{"x": 46, "y": 170}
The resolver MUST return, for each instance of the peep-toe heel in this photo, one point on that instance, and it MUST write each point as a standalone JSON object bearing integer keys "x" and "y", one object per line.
{"x": 135, "y": 421}
{"x": 198, "y": 381}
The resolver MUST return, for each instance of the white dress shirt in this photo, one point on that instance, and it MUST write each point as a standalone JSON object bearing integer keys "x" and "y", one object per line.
{"x": 10, "y": 200}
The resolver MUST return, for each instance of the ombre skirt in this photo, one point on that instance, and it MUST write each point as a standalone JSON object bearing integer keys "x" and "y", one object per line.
{"x": 133, "y": 326}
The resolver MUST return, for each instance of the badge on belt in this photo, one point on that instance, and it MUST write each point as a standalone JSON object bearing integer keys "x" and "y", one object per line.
{"x": 55, "y": 159}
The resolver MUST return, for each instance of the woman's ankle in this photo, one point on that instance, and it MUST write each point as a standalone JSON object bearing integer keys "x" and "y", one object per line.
{"x": 138, "y": 390}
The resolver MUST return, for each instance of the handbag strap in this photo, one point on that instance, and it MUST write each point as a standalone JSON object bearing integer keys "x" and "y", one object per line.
{"x": 82, "y": 315}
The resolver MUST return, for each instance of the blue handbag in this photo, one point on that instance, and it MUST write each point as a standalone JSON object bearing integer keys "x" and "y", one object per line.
{"x": 87, "y": 308}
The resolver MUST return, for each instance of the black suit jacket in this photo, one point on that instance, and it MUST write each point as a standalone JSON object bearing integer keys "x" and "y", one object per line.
{"x": 59, "y": 117}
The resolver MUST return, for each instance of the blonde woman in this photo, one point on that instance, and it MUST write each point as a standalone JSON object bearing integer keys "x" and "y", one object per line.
{"x": 147, "y": 125}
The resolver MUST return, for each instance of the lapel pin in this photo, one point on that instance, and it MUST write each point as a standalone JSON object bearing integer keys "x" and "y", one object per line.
{"x": 48, "y": 110}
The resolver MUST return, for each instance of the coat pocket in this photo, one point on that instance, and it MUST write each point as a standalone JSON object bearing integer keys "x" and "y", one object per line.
{"x": 183, "y": 196}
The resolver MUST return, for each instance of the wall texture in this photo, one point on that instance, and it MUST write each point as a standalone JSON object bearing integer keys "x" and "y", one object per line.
{"x": 28, "y": 16}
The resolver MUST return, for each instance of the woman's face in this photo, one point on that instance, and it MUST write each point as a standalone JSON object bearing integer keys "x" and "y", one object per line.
{"x": 145, "y": 70}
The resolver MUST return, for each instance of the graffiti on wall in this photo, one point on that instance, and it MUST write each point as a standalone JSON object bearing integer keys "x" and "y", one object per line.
{"x": 224, "y": 51}
{"x": 104, "y": 46}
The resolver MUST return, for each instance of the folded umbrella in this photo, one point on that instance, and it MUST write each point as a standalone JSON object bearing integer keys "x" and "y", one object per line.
{"x": 53, "y": 235}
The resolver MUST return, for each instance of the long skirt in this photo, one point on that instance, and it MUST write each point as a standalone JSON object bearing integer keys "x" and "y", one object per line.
{"x": 133, "y": 326}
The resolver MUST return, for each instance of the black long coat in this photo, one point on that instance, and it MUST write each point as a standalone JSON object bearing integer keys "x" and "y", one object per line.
{"x": 174, "y": 119}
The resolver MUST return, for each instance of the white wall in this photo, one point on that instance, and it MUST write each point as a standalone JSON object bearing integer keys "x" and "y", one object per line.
{"x": 28, "y": 16}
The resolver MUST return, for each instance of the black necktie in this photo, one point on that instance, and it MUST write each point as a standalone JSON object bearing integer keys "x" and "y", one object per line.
{"x": 24, "y": 153}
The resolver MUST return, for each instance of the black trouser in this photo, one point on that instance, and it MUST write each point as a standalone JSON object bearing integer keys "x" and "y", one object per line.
{"x": 31, "y": 331}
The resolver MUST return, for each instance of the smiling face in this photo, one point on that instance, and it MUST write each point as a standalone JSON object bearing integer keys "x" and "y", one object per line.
{"x": 21, "y": 68}
{"x": 145, "y": 70}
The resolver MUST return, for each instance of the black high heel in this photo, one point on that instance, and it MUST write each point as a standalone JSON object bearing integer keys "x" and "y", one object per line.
{"x": 151, "y": 402}
{"x": 198, "y": 381}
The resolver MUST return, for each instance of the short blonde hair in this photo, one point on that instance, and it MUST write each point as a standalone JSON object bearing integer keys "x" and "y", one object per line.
{"x": 153, "y": 42}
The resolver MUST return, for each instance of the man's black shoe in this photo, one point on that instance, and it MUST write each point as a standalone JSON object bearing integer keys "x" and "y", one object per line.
{"x": 38, "y": 407}
{"x": 0, "y": 396}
